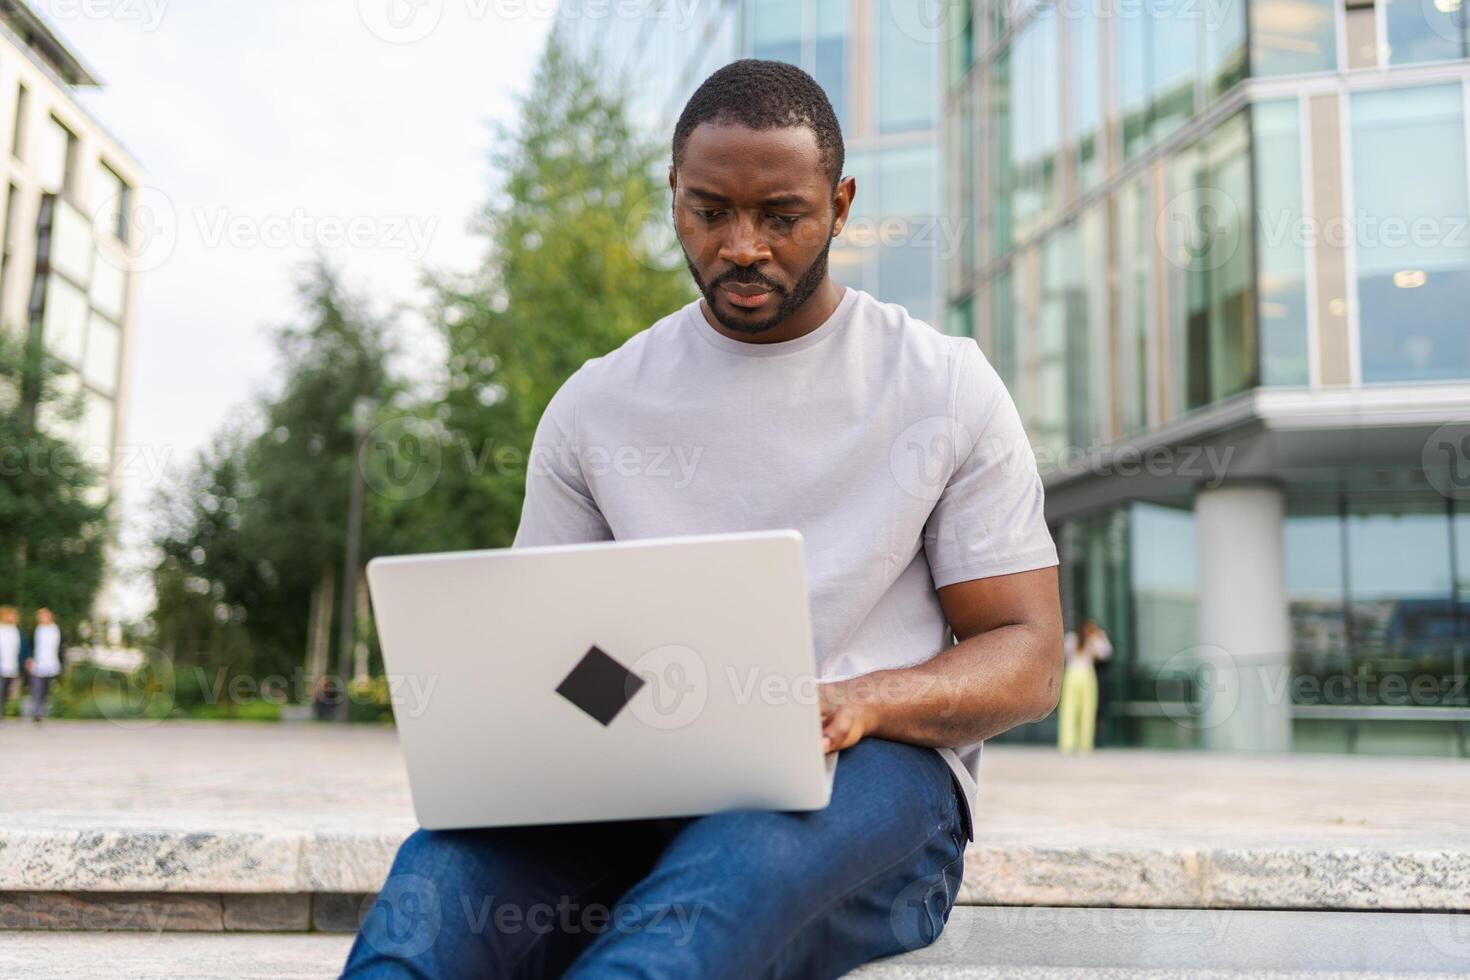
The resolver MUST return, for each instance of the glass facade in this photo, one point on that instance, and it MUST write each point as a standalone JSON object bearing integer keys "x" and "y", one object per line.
{"x": 1187, "y": 214}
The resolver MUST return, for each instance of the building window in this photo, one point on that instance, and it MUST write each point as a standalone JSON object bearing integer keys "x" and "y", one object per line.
{"x": 776, "y": 30}
{"x": 830, "y": 71}
{"x": 1162, "y": 551}
{"x": 1293, "y": 37}
{"x": 109, "y": 288}
{"x": 959, "y": 321}
{"x": 110, "y": 202}
{"x": 64, "y": 323}
{"x": 1085, "y": 137}
{"x": 18, "y": 142}
{"x": 962, "y": 38}
{"x": 1159, "y": 64}
{"x": 1212, "y": 305}
{"x": 1002, "y": 173}
{"x": 1026, "y": 129}
{"x": 907, "y": 80}
{"x": 1045, "y": 359}
{"x": 1002, "y": 351}
{"x": 1135, "y": 302}
{"x": 104, "y": 342}
{"x": 906, "y": 260}
{"x": 1427, "y": 30}
{"x": 57, "y": 163}
{"x": 1282, "y": 262}
{"x": 1223, "y": 30}
{"x": 1413, "y": 275}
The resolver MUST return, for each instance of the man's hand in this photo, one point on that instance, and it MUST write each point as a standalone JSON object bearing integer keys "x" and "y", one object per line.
{"x": 845, "y": 719}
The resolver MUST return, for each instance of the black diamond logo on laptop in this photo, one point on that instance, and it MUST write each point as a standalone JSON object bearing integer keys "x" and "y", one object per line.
{"x": 599, "y": 685}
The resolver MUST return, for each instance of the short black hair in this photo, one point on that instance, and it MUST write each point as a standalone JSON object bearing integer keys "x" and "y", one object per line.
{"x": 764, "y": 95}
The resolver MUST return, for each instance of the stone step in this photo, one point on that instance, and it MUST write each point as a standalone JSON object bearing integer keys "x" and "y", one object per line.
{"x": 303, "y": 814}
{"x": 1260, "y": 875}
{"x": 979, "y": 943}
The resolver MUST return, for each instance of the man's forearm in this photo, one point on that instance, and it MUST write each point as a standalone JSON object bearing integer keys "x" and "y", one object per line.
{"x": 969, "y": 692}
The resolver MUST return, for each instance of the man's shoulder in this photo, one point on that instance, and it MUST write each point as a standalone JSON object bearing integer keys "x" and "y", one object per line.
{"x": 647, "y": 346}
{"x": 901, "y": 334}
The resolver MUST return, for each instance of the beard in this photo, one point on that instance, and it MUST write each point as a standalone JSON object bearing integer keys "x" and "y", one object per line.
{"x": 790, "y": 302}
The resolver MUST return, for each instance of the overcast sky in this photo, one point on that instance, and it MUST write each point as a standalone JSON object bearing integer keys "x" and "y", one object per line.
{"x": 267, "y": 128}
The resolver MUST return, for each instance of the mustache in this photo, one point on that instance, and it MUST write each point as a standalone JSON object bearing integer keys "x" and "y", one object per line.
{"x": 744, "y": 277}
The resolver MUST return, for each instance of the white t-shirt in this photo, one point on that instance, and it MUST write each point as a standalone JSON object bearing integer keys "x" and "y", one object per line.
{"x": 47, "y": 653}
{"x": 895, "y": 450}
{"x": 9, "y": 651}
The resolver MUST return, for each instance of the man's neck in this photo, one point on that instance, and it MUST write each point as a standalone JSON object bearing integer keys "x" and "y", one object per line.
{"x": 811, "y": 315}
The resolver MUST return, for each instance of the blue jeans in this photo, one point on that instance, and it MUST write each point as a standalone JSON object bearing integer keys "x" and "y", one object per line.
{"x": 744, "y": 893}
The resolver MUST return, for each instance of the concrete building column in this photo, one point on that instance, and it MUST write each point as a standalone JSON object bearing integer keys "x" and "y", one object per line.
{"x": 1244, "y": 619}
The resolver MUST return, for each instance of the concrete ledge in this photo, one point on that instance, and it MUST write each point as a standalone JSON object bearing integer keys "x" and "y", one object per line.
{"x": 1273, "y": 877}
{"x": 1265, "y": 877}
{"x": 977, "y": 944}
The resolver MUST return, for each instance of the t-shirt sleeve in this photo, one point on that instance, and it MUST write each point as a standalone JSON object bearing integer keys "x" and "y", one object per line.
{"x": 989, "y": 519}
{"x": 559, "y": 507}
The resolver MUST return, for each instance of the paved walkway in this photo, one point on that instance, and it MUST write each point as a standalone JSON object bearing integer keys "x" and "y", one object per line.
{"x": 219, "y": 806}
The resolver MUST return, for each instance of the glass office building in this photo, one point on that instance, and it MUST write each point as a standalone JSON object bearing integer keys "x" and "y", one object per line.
{"x": 1220, "y": 251}
{"x": 881, "y": 74}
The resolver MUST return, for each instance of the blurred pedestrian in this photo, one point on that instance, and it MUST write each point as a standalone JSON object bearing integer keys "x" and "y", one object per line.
{"x": 325, "y": 698}
{"x": 1077, "y": 713}
{"x": 45, "y": 663}
{"x": 12, "y": 652}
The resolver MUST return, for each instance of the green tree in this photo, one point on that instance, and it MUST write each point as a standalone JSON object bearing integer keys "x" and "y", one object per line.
{"x": 254, "y": 536}
{"x": 53, "y": 498}
{"x": 578, "y": 261}
{"x": 205, "y": 583}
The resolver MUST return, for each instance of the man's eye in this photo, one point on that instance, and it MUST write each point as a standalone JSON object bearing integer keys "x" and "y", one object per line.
{"x": 708, "y": 215}
{"x": 786, "y": 220}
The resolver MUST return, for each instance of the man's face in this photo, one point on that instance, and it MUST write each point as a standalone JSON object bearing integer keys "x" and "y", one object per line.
{"x": 755, "y": 213}
{"x": 43, "y": 616}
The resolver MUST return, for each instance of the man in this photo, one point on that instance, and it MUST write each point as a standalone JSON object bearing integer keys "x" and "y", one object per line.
{"x": 45, "y": 663}
{"x": 897, "y": 453}
{"x": 12, "y": 646}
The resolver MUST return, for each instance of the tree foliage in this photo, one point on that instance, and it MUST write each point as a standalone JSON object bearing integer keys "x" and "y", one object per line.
{"x": 575, "y": 266}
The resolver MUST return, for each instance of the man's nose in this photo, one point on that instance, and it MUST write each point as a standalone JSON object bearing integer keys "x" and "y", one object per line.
{"x": 745, "y": 244}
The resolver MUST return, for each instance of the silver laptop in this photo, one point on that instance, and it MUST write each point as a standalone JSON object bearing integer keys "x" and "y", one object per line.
{"x": 612, "y": 681}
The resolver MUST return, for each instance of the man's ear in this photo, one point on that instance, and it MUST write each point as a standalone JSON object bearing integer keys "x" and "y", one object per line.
{"x": 842, "y": 203}
{"x": 673, "y": 178}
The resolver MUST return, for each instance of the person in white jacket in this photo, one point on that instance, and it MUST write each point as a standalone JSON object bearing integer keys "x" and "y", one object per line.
{"x": 11, "y": 644}
{"x": 45, "y": 663}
